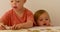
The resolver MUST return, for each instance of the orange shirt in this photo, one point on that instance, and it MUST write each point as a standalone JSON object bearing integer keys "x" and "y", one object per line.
{"x": 11, "y": 18}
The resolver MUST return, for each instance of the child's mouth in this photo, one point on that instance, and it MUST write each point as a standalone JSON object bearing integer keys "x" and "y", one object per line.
{"x": 44, "y": 24}
{"x": 15, "y": 7}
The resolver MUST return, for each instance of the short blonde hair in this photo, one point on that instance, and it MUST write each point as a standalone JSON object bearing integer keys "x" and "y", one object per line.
{"x": 38, "y": 13}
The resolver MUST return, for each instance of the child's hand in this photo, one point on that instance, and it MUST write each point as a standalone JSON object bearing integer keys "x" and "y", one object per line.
{"x": 16, "y": 27}
{"x": 7, "y": 27}
{"x": 13, "y": 27}
{"x": 2, "y": 27}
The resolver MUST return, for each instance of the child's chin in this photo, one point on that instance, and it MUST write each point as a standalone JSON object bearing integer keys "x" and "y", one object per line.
{"x": 43, "y": 25}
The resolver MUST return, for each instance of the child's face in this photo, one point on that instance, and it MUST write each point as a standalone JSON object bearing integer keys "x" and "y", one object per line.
{"x": 43, "y": 20}
{"x": 17, "y": 4}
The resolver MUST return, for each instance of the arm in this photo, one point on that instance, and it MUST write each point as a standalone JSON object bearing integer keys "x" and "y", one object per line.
{"x": 3, "y": 20}
{"x": 2, "y": 25}
{"x": 27, "y": 24}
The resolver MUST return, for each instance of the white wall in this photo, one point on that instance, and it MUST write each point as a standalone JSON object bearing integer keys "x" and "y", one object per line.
{"x": 52, "y": 6}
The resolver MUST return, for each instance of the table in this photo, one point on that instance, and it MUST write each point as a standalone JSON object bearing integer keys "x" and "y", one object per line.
{"x": 35, "y": 29}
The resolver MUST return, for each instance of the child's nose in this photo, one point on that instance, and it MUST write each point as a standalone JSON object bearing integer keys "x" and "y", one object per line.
{"x": 44, "y": 20}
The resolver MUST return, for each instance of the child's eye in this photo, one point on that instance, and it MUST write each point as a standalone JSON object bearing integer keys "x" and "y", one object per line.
{"x": 18, "y": 1}
{"x": 46, "y": 19}
{"x": 41, "y": 19}
{"x": 11, "y": 1}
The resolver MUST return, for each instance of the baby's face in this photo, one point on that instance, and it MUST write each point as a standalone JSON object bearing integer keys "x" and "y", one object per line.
{"x": 43, "y": 20}
{"x": 17, "y": 4}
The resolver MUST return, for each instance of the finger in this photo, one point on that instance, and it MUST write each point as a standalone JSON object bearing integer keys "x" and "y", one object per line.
{"x": 17, "y": 27}
{"x": 3, "y": 27}
{"x": 13, "y": 27}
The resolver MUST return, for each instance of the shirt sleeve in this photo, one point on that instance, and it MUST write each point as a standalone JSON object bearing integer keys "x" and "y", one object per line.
{"x": 5, "y": 18}
{"x": 30, "y": 17}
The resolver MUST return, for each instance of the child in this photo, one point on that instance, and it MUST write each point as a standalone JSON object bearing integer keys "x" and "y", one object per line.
{"x": 42, "y": 18}
{"x": 18, "y": 17}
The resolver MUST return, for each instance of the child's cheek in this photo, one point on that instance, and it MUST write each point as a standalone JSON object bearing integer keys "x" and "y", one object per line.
{"x": 40, "y": 23}
{"x": 48, "y": 23}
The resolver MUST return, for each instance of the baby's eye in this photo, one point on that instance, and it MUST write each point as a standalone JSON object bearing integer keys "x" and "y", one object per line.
{"x": 46, "y": 19}
{"x": 41, "y": 19}
{"x": 17, "y": 1}
{"x": 11, "y": 1}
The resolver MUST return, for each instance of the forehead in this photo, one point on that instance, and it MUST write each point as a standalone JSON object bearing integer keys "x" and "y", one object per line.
{"x": 44, "y": 15}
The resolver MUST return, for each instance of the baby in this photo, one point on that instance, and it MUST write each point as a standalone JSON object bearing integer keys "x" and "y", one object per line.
{"x": 42, "y": 18}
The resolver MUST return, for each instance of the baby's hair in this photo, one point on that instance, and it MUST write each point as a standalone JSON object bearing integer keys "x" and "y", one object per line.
{"x": 38, "y": 13}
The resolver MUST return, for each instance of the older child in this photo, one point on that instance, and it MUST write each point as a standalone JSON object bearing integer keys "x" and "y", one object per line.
{"x": 18, "y": 17}
{"x": 42, "y": 18}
